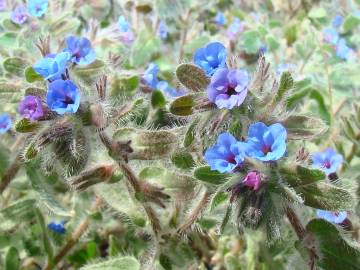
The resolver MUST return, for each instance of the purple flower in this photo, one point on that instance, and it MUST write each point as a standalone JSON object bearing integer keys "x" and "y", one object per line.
{"x": 220, "y": 18}
{"x": 266, "y": 143}
{"x": 334, "y": 217}
{"x": 5, "y": 123}
{"x": 57, "y": 227}
{"x": 127, "y": 36}
{"x": 228, "y": 88}
{"x": 80, "y": 50}
{"x": 337, "y": 21}
{"x": 235, "y": 28}
{"x": 150, "y": 76}
{"x": 63, "y": 97}
{"x": 342, "y": 50}
{"x": 31, "y": 108}
{"x": 52, "y": 66}
{"x": 227, "y": 154}
{"x": 163, "y": 30}
{"x": 210, "y": 58}
{"x": 331, "y": 36}
{"x": 2, "y": 5}
{"x": 252, "y": 180}
{"x": 327, "y": 161}
{"x": 19, "y": 15}
{"x": 37, "y": 8}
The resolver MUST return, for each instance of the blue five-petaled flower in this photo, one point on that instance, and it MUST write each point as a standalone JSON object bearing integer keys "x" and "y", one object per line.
{"x": 80, "y": 50}
{"x": 5, "y": 123}
{"x": 52, "y": 66}
{"x": 63, "y": 97}
{"x": 334, "y": 217}
{"x": 37, "y": 8}
{"x": 211, "y": 57}
{"x": 327, "y": 161}
{"x": 227, "y": 154}
{"x": 150, "y": 75}
{"x": 18, "y": 15}
{"x": 57, "y": 227}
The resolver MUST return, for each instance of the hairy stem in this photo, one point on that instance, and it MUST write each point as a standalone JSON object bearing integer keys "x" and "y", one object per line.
{"x": 10, "y": 173}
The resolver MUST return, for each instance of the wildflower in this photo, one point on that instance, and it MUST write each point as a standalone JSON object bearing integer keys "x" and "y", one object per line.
{"x": 18, "y": 15}
{"x": 31, "y": 108}
{"x": 52, "y": 66}
{"x": 327, "y": 161}
{"x": 337, "y": 21}
{"x": 331, "y": 36}
{"x": 266, "y": 143}
{"x": 228, "y": 88}
{"x": 163, "y": 30}
{"x": 2, "y": 5}
{"x": 334, "y": 217}
{"x": 80, "y": 50}
{"x": 220, "y": 18}
{"x": 252, "y": 180}
{"x": 37, "y": 8}
{"x": 63, "y": 97}
{"x": 211, "y": 58}
{"x": 150, "y": 76}
{"x": 127, "y": 35}
{"x": 342, "y": 50}
{"x": 235, "y": 28}
{"x": 227, "y": 154}
{"x": 168, "y": 90}
{"x": 57, "y": 227}
{"x": 5, "y": 123}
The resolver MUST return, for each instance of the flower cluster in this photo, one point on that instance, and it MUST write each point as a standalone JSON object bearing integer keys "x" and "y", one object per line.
{"x": 36, "y": 8}
{"x": 264, "y": 143}
{"x": 149, "y": 78}
{"x": 126, "y": 34}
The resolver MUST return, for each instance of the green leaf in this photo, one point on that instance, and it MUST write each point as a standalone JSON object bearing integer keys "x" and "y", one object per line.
{"x": 207, "y": 175}
{"x": 301, "y": 127}
{"x": 190, "y": 134}
{"x": 323, "y": 109}
{"x": 183, "y": 106}
{"x": 334, "y": 249}
{"x": 24, "y": 126}
{"x": 157, "y": 99}
{"x": 165, "y": 262}
{"x": 286, "y": 83}
{"x": 272, "y": 42}
{"x": 317, "y": 13}
{"x": 192, "y": 77}
{"x": 12, "y": 259}
{"x": 251, "y": 41}
{"x": 15, "y": 66}
{"x": 218, "y": 199}
{"x": 19, "y": 210}
{"x": 34, "y": 91}
{"x": 144, "y": 48}
{"x": 46, "y": 240}
{"x": 290, "y": 33}
{"x": 183, "y": 160}
{"x": 297, "y": 176}
{"x": 8, "y": 39}
{"x": 351, "y": 22}
{"x": 89, "y": 74}
{"x": 31, "y": 75}
{"x": 124, "y": 86}
{"x": 123, "y": 263}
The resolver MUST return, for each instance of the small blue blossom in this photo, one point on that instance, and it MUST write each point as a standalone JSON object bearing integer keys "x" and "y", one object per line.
{"x": 263, "y": 49}
{"x": 235, "y": 28}
{"x": 211, "y": 58}
{"x": 80, "y": 50}
{"x": 266, "y": 143}
{"x": 150, "y": 76}
{"x": 37, "y": 8}
{"x": 2, "y": 5}
{"x": 168, "y": 90}
{"x": 342, "y": 50}
{"x": 282, "y": 68}
{"x": 124, "y": 26}
{"x": 327, "y": 161}
{"x": 220, "y": 18}
{"x": 57, "y": 227}
{"x": 331, "y": 36}
{"x": 5, "y": 123}
{"x": 337, "y": 21}
{"x": 126, "y": 34}
{"x": 227, "y": 154}
{"x": 63, "y": 97}
{"x": 163, "y": 30}
{"x": 334, "y": 217}
{"x": 19, "y": 15}
{"x": 228, "y": 88}
{"x": 52, "y": 66}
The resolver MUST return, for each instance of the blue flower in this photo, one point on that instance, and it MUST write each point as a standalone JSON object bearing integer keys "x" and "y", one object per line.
{"x": 52, "y": 66}
{"x": 163, "y": 30}
{"x": 228, "y": 88}
{"x": 63, "y": 97}
{"x": 211, "y": 58}
{"x": 334, "y": 217}
{"x": 150, "y": 76}
{"x": 337, "y": 21}
{"x": 5, "y": 123}
{"x": 168, "y": 90}
{"x": 18, "y": 15}
{"x": 235, "y": 28}
{"x": 80, "y": 50}
{"x": 331, "y": 36}
{"x": 328, "y": 161}
{"x": 124, "y": 26}
{"x": 342, "y": 50}
{"x": 220, "y": 18}
{"x": 37, "y": 8}
{"x": 266, "y": 143}
{"x": 2, "y": 5}
{"x": 126, "y": 34}
{"x": 57, "y": 227}
{"x": 227, "y": 154}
